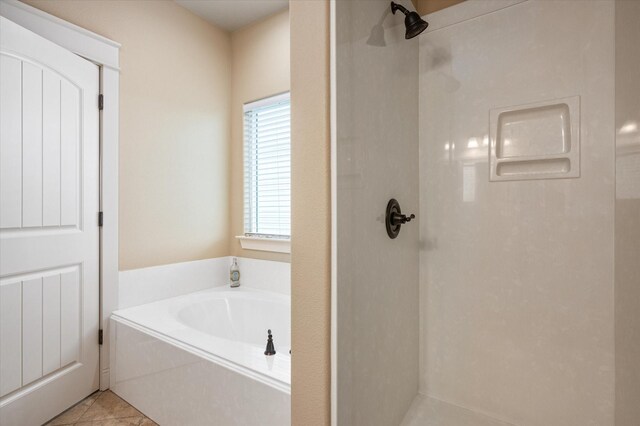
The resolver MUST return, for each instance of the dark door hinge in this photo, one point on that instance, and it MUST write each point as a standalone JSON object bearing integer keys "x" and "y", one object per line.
{"x": 100, "y": 218}
{"x": 101, "y": 102}
{"x": 100, "y": 337}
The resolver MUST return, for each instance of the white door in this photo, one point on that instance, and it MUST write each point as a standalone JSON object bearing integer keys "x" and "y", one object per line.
{"x": 49, "y": 244}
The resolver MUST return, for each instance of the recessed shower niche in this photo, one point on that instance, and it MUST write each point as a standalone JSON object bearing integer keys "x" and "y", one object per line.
{"x": 536, "y": 141}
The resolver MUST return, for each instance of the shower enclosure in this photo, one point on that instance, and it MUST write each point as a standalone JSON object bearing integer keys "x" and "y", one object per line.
{"x": 511, "y": 129}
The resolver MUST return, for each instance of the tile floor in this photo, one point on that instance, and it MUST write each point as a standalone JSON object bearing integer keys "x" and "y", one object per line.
{"x": 102, "y": 409}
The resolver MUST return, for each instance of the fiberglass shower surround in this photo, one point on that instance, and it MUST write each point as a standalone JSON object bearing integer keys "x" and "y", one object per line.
{"x": 496, "y": 127}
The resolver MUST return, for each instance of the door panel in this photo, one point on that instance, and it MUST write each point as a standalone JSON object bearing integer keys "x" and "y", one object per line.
{"x": 31, "y": 145}
{"x": 10, "y": 337}
{"x": 51, "y": 150}
{"x": 49, "y": 240}
{"x": 69, "y": 108}
{"x": 51, "y": 311}
{"x": 31, "y": 330}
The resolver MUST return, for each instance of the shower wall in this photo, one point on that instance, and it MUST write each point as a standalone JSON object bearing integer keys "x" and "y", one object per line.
{"x": 517, "y": 274}
{"x": 376, "y": 122}
{"x": 627, "y": 234}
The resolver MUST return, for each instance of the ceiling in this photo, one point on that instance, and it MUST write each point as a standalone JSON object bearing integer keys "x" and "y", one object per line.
{"x": 233, "y": 14}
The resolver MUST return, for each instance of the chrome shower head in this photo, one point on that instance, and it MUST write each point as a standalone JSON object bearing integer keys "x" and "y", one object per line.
{"x": 413, "y": 23}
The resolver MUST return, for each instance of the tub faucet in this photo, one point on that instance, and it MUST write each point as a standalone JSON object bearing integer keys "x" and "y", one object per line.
{"x": 271, "y": 350}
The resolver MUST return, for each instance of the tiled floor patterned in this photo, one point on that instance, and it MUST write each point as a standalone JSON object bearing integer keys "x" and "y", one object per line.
{"x": 102, "y": 409}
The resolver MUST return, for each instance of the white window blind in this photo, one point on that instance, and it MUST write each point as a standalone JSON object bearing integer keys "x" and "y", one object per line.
{"x": 267, "y": 167}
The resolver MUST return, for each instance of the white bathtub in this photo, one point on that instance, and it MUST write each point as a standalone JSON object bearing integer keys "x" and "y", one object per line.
{"x": 198, "y": 359}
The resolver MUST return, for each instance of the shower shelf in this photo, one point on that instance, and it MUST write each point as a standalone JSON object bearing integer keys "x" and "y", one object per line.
{"x": 536, "y": 141}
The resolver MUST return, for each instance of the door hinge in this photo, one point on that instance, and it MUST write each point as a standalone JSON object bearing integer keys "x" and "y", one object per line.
{"x": 100, "y": 337}
{"x": 100, "y": 102}
{"x": 100, "y": 218}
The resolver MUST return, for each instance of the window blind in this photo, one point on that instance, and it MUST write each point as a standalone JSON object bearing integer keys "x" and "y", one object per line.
{"x": 267, "y": 167}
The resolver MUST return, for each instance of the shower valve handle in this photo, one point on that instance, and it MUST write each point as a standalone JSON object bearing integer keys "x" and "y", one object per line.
{"x": 394, "y": 219}
{"x": 399, "y": 218}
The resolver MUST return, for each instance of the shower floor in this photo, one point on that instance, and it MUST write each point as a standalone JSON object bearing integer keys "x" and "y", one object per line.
{"x": 426, "y": 411}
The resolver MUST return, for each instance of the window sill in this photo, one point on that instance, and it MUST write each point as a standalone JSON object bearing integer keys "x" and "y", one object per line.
{"x": 277, "y": 245}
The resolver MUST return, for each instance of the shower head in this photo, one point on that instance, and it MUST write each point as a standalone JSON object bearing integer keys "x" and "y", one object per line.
{"x": 412, "y": 21}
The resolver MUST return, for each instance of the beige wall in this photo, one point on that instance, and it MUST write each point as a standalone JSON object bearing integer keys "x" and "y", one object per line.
{"x": 311, "y": 264}
{"x": 424, "y": 7}
{"x": 260, "y": 68}
{"x": 162, "y": 221}
{"x": 174, "y": 127}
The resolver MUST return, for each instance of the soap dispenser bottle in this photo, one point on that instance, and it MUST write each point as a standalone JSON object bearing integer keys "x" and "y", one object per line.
{"x": 234, "y": 273}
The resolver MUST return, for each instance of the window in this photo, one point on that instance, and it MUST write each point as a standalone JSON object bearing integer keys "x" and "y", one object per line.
{"x": 267, "y": 167}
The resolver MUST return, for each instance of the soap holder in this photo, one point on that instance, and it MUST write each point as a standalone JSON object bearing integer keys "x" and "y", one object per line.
{"x": 535, "y": 141}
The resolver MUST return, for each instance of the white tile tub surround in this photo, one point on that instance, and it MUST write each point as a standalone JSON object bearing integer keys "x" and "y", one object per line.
{"x": 146, "y": 285}
{"x": 264, "y": 274}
